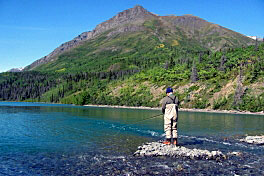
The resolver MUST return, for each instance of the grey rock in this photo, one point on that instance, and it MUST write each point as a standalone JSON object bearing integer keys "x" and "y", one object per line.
{"x": 234, "y": 154}
{"x": 159, "y": 149}
{"x": 259, "y": 140}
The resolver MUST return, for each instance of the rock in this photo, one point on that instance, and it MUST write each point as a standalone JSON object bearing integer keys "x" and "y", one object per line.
{"x": 179, "y": 167}
{"x": 159, "y": 149}
{"x": 259, "y": 140}
{"x": 235, "y": 153}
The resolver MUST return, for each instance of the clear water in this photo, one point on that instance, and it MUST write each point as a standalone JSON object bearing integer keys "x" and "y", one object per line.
{"x": 48, "y": 139}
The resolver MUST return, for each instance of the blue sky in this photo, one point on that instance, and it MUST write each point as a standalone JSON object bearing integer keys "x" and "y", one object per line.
{"x": 31, "y": 29}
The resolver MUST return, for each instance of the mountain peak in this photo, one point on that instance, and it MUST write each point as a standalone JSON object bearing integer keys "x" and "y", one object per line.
{"x": 138, "y": 7}
{"x": 133, "y": 13}
{"x": 139, "y": 10}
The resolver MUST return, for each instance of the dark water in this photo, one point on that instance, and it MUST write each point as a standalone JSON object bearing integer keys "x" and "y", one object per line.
{"x": 46, "y": 139}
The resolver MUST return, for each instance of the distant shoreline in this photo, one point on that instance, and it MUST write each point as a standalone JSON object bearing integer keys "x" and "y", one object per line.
{"x": 159, "y": 108}
{"x": 181, "y": 109}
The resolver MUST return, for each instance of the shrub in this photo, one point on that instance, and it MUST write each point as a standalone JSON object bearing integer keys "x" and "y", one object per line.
{"x": 220, "y": 103}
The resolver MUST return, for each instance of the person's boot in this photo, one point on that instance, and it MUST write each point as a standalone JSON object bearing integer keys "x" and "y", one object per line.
{"x": 175, "y": 141}
{"x": 167, "y": 141}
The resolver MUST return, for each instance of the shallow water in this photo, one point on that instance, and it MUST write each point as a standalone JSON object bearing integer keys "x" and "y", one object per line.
{"x": 51, "y": 139}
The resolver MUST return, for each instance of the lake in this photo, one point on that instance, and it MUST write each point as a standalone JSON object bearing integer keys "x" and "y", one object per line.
{"x": 53, "y": 139}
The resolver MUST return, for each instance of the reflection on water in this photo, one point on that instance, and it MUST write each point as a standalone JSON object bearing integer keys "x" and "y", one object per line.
{"x": 207, "y": 124}
{"x": 62, "y": 127}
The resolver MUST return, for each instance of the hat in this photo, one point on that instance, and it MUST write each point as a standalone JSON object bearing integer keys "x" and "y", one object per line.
{"x": 169, "y": 89}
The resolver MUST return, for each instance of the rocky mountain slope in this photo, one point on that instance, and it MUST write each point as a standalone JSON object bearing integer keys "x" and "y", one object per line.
{"x": 174, "y": 30}
{"x": 16, "y": 69}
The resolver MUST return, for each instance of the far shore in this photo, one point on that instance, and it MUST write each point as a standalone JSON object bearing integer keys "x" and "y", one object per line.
{"x": 159, "y": 108}
{"x": 182, "y": 109}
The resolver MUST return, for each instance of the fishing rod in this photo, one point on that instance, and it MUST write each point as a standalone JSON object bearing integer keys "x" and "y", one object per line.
{"x": 152, "y": 117}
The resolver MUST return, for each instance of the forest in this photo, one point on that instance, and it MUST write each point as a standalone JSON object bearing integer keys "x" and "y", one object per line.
{"x": 198, "y": 76}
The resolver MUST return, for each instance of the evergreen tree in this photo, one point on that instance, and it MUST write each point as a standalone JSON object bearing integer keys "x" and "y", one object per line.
{"x": 222, "y": 63}
{"x": 194, "y": 75}
{"x": 256, "y": 44}
{"x": 200, "y": 59}
{"x": 239, "y": 92}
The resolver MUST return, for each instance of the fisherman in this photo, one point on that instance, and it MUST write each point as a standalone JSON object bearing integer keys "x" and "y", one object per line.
{"x": 170, "y": 105}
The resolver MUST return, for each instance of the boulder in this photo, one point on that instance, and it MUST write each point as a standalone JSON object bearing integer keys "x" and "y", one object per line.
{"x": 259, "y": 140}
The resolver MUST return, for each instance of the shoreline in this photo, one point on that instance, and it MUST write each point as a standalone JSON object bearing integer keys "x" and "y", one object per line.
{"x": 181, "y": 109}
{"x": 159, "y": 108}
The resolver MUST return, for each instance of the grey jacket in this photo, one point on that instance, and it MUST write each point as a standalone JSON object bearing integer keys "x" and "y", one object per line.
{"x": 171, "y": 99}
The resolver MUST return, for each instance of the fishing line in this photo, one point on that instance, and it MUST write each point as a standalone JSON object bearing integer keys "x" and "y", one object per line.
{"x": 152, "y": 117}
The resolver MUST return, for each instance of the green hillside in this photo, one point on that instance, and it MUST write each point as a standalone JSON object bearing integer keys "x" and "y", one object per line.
{"x": 228, "y": 79}
{"x": 121, "y": 52}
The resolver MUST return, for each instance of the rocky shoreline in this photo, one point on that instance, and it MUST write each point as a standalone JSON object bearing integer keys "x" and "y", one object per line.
{"x": 182, "y": 109}
{"x": 160, "y": 149}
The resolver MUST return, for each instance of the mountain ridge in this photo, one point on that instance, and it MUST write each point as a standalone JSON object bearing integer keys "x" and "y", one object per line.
{"x": 138, "y": 10}
{"x": 16, "y": 69}
{"x": 133, "y": 19}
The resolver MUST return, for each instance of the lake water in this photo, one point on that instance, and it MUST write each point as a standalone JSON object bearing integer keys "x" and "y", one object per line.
{"x": 52, "y": 139}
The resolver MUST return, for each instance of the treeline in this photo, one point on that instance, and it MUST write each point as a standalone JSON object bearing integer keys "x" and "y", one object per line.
{"x": 24, "y": 85}
{"x": 167, "y": 66}
{"x": 88, "y": 83}
{"x": 21, "y": 86}
{"x": 111, "y": 75}
{"x": 213, "y": 70}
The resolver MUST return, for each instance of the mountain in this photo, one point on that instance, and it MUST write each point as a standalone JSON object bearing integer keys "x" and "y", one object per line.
{"x": 135, "y": 14}
{"x": 260, "y": 39}
{"x": 184, "y": 30}
{"x": 16, "y": 69}
{"x": 131, "y": 58}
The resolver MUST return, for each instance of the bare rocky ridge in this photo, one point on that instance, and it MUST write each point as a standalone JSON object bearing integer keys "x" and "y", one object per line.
{"x": 16, "y": 69}
{"x": 138, "y": 13}
{"x": 132, "y": 20}
{"x": 202, "y": 30}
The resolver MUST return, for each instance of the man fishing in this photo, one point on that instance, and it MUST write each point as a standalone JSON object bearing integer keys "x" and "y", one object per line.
{"x": 170, "y": 105}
